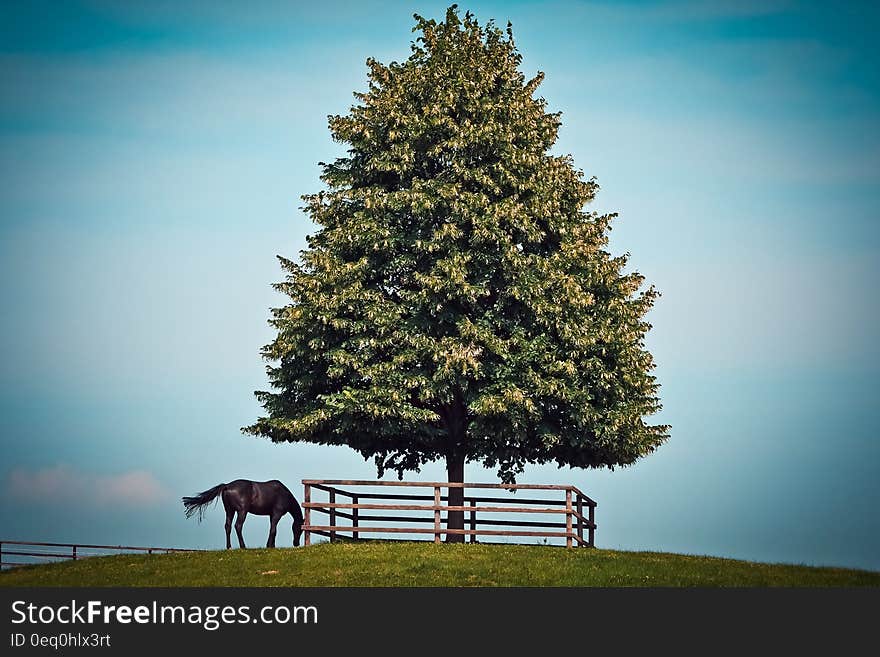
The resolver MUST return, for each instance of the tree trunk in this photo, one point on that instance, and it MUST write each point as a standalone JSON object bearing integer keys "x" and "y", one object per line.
{"x": 455, "y": 519}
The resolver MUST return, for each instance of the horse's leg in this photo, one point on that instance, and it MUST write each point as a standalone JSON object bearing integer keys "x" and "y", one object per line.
{"x": 239, "y": 522}
{"x": 229, "y": 497}
{"x": 229, "y": 513}
{"x": 273, "y": 525}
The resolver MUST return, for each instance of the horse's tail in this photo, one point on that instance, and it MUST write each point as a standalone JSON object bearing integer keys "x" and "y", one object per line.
{"x": 199, "y": 503}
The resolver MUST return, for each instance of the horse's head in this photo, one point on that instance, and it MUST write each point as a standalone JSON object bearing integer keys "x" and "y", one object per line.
{"x": 297, "y": 532}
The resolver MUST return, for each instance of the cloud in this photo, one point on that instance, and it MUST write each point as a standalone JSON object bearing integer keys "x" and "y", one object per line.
{"x": 51, "y": 485}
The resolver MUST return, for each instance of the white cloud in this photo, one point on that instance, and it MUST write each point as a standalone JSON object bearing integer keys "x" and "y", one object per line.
{"x": 62, "y": 483}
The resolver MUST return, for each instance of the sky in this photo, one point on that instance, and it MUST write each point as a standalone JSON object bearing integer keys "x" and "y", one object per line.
{"x": 152, "y": 157}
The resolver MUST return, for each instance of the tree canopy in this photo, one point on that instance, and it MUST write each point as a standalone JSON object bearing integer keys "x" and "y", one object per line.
{"x": 457, "y": 301}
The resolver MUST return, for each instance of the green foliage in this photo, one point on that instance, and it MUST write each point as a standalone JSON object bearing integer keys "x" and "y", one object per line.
{"x": 457, "y": 301}
{"x": 377, "y": 563}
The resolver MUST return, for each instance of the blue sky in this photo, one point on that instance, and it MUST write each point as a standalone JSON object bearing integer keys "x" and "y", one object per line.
{"x": 151, "y": 162}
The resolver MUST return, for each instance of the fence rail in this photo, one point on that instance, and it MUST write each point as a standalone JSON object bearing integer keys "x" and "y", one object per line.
{"x": 38, "y": 552}
{"x": 578, "y": 509}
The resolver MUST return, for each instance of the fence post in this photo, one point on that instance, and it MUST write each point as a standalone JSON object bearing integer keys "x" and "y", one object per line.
{"x": 592, "y": 527}
{"x": 474, "y": 521}
{"x": 73, "y": 555}
{"x": 437, "y": 514}
{"x": 332, "y": 514}
{"x": 307, "y": 498}
{"x": 354, "y": 517}
{"x": 568, "y": 517}
{"x": 580, "y": 509}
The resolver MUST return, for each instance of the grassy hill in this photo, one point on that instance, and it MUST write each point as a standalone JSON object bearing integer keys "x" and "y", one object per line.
{"x": 426, "y": 564}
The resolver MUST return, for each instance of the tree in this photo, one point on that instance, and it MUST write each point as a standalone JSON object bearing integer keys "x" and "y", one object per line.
{"x": 456, "y": 301}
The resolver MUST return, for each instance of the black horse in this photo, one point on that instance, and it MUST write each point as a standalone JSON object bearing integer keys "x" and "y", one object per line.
{"x": 242, "y": 496}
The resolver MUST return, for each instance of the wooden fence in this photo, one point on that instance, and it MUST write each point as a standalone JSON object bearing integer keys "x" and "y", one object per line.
{"x": 13, "y": 552}
{"x": 578, "y": 509}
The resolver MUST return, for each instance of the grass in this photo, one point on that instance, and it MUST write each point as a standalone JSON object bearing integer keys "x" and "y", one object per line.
{"x": 426, "y": 564}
